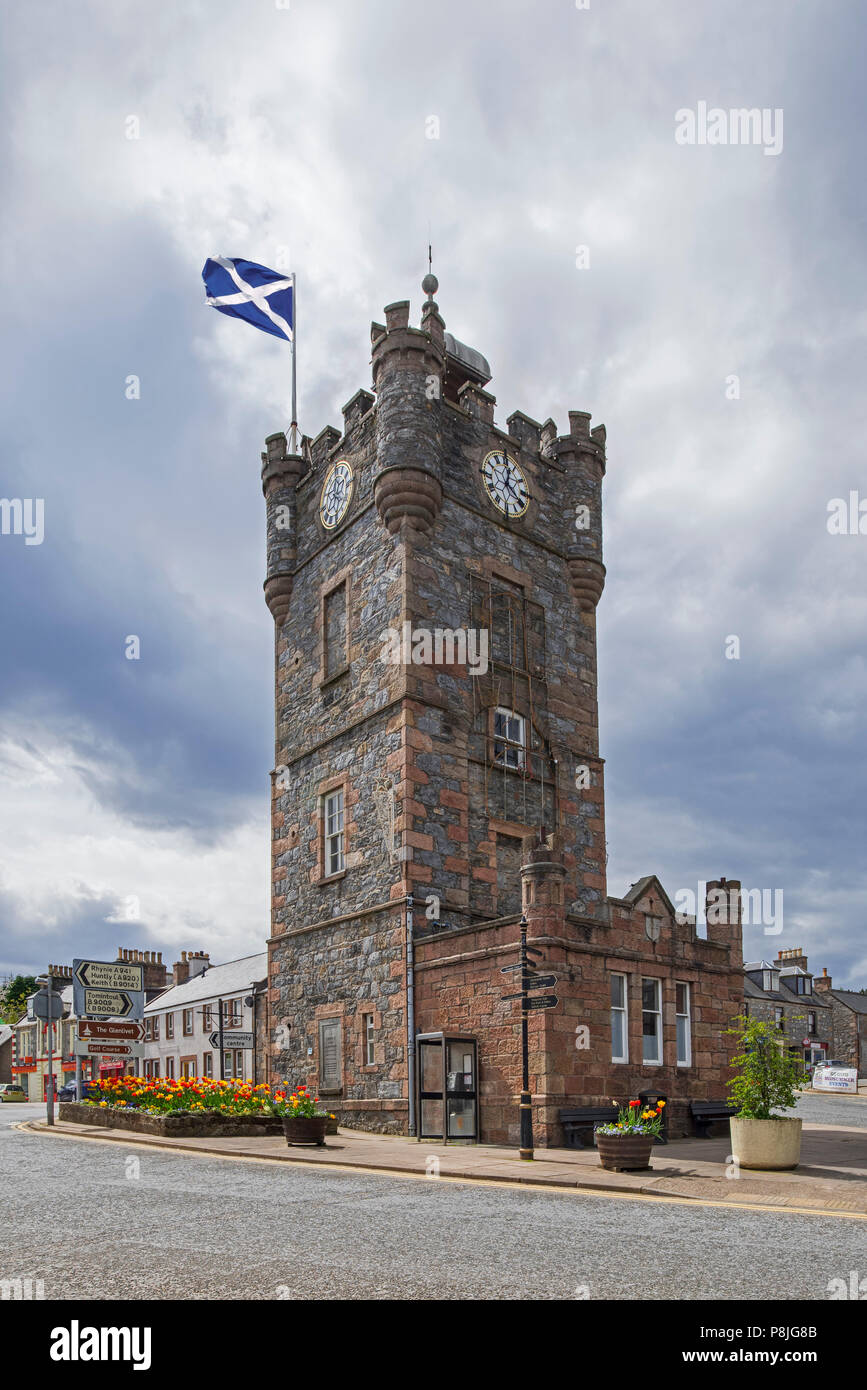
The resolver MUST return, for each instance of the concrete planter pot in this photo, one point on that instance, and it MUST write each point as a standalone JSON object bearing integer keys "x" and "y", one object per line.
{"x": 624, "y": 1153}
{"x": 767, "y": 1144}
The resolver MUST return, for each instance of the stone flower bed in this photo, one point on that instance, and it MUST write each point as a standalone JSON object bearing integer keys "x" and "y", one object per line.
{"x": 177, "y": 1124}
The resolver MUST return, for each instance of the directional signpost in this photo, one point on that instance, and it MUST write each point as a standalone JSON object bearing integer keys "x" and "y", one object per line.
{"x": 100, "y": 1031}
{"x": 231, "y": 1040}
{"x": 108, "y": 1049}
{"x": 105, "y": 990}
{"x": 530, "y": 979}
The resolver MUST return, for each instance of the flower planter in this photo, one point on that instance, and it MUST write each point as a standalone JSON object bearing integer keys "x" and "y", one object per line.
{"x": 304, "y": 1129}
{"x": 766, "y": 1144}
{"x": 624, "y": 1153}
{"x": 331, "y": 1124}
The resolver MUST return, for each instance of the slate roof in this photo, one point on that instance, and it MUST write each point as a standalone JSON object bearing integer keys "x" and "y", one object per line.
{"x": 232, "y": 978}
{"x": 856, "y": 1002}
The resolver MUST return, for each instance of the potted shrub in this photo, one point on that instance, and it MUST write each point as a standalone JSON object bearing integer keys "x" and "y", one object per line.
{"x": 765, "y": 1080}
{"x": 303, "y": 1123}
{"x": 624, "y": 1145}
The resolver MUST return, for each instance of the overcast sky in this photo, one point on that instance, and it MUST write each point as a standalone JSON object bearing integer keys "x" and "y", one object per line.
{"x": 134, "y": 795}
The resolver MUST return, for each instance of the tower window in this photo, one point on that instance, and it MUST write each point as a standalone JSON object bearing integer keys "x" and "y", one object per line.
{"x": 334, "y": 833}
{"x": 334, "y": 620}
{"x": 509, "y": 739}
{"x": 369, "y": 1049}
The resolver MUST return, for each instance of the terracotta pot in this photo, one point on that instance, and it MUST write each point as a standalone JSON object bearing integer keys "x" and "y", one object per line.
{"x": 766, "y": 1144}
{"x": 624, "y": 1153}
{"x": 330, "y": 1124}
{"x": 304, "y": 1129}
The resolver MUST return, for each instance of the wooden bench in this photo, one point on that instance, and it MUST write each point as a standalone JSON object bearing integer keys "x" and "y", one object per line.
{"x": 578, "y": 1123}
{"x": 704, "y": 1112}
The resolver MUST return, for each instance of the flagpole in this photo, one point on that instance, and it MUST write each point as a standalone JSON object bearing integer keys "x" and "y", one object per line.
{"x": 293, "y": 428}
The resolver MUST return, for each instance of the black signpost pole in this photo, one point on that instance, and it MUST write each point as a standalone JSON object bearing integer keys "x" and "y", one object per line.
{"x": 526, "y": 1150}
{"x": 222, "y": 1053}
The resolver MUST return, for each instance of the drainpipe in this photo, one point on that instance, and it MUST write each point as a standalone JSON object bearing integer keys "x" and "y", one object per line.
{"x": 410, "y": 1014}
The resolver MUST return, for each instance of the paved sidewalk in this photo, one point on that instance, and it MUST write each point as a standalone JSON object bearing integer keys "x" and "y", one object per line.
{"x": 831, "y": 1177}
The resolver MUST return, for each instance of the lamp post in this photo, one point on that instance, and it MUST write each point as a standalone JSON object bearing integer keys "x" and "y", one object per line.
{"x": 526, "y": 1149}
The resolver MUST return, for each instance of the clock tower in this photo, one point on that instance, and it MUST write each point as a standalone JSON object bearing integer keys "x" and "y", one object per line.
{"x": 433, "y": 580}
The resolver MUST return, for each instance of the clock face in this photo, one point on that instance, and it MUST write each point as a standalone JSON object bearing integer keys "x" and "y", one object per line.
{"x": 336, "y": 492}
{"x": 505, "y": 483}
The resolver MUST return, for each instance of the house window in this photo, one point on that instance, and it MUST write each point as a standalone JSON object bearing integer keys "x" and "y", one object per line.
{"x": 188, "y": 1066}
{"x": 334, "y": 833}
{"x": 188, "y": 1023}
{"x": 170, "y": 1069}
{"x": 156, "y": 1032}
{"x": 335, "y": 631}
{"x": 811, "y": 1023}
{"x": 651, "y": 1022}
{"x": 149, "y": 1029}
{"x": 619, "y": 1032}
{"x": 330, "y": 1060}
{"x": 155, "y": 1064}
{"x": 779, "y": 1017}
{"x": 368, "y": 1041}
{"x": 170, "y": 1025}
{"x": 207, "y": 1023}
{"x": 683, "y": 1025}
{"x": 233, "y": 1064}
{"x": 803, "y": 984}
{"x": 509, "y": 742}
{"x": 208, "y": 1064}
{"x": 232, "y": 1013}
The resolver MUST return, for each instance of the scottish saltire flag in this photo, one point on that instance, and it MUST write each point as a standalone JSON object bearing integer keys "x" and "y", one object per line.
{"x": 265, "y": 298}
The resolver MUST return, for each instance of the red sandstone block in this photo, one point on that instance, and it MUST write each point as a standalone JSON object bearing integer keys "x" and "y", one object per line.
{"x": 458, "y": 800}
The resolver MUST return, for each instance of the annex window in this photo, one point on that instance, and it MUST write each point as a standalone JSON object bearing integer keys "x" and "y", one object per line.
{"x": 330, "y": 1061}
{"x": 619, "y": 1020}
{"x": 188, "y": 1023}
{"x": 369, "y": 1058}
{"x": 333, "y": 831}
{"x": 509, "y": 739}
{"x": 651, "y": 1022}
{"x": 684, "y": 1025}
{"x": 335, "y": 626}
{"x": 170, "y": 1025}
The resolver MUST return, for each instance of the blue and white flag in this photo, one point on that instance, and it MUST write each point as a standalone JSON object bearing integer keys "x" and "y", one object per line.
{"x": 265, "y": 298}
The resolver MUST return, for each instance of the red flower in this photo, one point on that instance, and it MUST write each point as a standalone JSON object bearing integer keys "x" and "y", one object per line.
{"x": 634, "y": 1103}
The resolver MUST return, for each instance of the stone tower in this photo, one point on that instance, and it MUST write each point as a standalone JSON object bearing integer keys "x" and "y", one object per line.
{"x": 433, "y": 581}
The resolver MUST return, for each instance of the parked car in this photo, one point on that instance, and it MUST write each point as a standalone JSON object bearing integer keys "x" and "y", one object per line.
{"x": 88, "y": 1091}
{"x": 11, "y": 1091}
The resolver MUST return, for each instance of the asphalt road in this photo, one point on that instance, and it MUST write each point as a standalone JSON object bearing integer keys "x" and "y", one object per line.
{"x": 850, "y": 1111}
{"x": 95, "y": 1220}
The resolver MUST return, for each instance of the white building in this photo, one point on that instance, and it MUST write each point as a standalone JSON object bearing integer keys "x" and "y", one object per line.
{"x": 178, "y": 1023}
